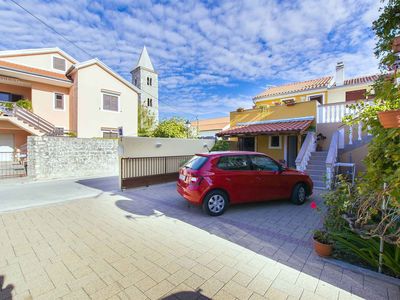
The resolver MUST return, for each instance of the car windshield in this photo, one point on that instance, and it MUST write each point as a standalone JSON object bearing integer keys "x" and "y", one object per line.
{"x": 196, "y": 162}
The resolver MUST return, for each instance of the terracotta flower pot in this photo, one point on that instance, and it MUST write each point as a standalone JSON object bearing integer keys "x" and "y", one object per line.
{"x": 390, "y": 118}
{"x": 323, "y": 249}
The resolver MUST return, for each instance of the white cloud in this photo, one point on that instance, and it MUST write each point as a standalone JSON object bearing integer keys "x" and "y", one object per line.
{"x": 202, "y": 51}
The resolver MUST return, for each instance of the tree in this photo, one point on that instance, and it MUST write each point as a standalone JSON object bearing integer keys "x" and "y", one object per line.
{"x": 146, "y": 121}
{"x": 171, "y": 128}
{"x": 377, "y": 201}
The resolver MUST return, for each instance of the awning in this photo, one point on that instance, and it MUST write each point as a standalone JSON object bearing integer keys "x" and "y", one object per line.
{"x": 277, "y": 127}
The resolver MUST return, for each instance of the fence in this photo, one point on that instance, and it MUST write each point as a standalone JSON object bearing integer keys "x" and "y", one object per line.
{"x": 12, "y": 164}
{"x": 143, "y": 171}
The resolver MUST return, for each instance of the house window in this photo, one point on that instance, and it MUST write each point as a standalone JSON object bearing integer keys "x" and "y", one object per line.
{"x": 356, "y": 95}
{"x": 149, "y": 102}
{"x": 110, "y": 134}
{"x": 58, "y": 101}
{"x": 59, "y": 63}
{"x": 8, "y": 97}
{"x": 149, "y": 81}
{"x": 275, "y": 142}
{"x": 135, "y": 81}
{"x": 110, "y": 102}
{"x": 319, "y": 98}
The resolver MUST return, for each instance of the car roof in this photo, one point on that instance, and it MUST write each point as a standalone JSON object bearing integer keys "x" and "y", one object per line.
{"x": 229, "y": 153}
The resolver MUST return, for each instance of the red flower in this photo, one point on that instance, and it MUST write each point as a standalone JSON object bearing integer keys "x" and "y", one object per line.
{"x": 313, "y": 205}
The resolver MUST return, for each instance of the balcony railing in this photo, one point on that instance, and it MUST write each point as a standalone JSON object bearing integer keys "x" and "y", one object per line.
{"x": 334, "y": 112}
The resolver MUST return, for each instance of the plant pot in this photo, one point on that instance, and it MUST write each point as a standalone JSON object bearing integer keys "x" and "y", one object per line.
{"x": 390, "y": 118}
{"x": 324, "y": 250}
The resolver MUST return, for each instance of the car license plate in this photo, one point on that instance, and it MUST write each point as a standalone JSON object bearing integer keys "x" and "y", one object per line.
{"x": 182, "y": 177}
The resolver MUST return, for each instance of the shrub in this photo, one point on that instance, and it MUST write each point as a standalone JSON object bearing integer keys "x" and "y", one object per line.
{"x": 220, "y": 145}
{"x": 24, "y": 103}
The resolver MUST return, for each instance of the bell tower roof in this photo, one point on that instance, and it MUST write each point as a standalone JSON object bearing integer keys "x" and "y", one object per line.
{"x": 144, "y": 60}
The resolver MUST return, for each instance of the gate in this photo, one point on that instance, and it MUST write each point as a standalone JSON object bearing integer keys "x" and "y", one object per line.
{"x": 13, "y": 164}
{"x": 146, "y": 161}
{"x": 144, "y": 171}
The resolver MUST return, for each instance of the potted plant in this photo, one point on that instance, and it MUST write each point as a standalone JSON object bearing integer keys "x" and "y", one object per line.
{"x": 240, "y": 109}
{"x": 390, "y": 118}
{"x": 322, "y": 243}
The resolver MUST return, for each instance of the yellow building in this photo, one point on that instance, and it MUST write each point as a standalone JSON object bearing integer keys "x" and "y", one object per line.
{"x": 282, "y": 115}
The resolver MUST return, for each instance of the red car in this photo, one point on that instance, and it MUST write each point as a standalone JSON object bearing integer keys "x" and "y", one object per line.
{"x": 217, "y": 179}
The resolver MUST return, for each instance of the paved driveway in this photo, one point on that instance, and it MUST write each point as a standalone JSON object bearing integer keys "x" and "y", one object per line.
{"x": 147, "y": 243}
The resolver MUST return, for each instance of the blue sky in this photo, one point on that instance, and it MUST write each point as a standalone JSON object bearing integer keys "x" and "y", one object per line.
{"x": 211, "y": 56}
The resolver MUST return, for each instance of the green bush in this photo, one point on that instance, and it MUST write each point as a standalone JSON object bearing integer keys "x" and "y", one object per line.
{"x": 220, "y": 145}
{"x": 352, "y": 245}
{"x": 24, "y": 103}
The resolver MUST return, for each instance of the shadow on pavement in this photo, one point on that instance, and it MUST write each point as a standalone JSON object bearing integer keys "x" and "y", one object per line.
{"x": 5, "y": 291}
{"x": 277, "y": 229}
{"x": 186, "y": 295}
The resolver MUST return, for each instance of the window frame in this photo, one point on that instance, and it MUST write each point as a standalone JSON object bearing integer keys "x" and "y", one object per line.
{"x": 55, "y": 101}
{"x": 270, "y": 142}
{"x": 266, "y": 157}
{"x": 110, "y": 94}
{"x": 316, "y": 95}
{"x": 236, "y": 155}
{"x": 52, "y": 64}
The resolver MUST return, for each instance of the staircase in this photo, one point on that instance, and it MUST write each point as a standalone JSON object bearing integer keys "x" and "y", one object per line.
{"x": 29, "y": 121}
{"x": 316, "y": 168}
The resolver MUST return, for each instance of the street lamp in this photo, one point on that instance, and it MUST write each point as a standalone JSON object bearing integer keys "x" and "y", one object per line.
{"x": 187, "y": 124}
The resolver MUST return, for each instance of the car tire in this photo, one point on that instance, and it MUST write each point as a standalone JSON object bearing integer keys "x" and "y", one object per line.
{"x": 299, "y": 194}
{"x": 215, "y": 203}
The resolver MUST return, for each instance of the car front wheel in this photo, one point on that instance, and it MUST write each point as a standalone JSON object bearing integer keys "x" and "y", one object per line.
{"x": 299, "y": 194}
{"x": 215, "y": 203}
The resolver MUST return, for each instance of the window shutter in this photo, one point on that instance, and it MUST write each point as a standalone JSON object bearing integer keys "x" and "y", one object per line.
{"x": 59, "y": 63}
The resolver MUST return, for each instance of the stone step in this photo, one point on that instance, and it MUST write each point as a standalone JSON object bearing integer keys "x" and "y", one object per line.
{"x": 315, "y": 172}
{"x": 315, "y": 169}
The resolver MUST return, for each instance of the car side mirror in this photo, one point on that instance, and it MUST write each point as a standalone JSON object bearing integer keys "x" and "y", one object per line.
{"x": 282, "y": 168}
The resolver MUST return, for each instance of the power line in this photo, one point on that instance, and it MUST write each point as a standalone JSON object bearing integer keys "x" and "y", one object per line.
{"x": 51, "y": 28}
{"x": 71, "y": 42}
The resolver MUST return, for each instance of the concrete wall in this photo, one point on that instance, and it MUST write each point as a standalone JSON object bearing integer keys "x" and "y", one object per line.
{"x": 91, "y": 117}
{"x": 356, "y": 156}
{"x": 60, "y": 157}
{"x": 153, "y": 147}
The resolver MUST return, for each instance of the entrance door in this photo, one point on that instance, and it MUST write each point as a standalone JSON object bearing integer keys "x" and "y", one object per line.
{"x": 246, "y": 144}
{"x": 6, "y": 146}
{"x": 291, "y": 151}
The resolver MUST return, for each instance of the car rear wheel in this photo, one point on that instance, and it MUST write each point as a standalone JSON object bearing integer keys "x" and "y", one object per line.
{"x": 215, "y": 203}
{"x": 299, "y": 194}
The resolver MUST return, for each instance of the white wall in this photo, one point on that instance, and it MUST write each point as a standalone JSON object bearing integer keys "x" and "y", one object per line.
{"x": 153, "y": 147}
{"x": 91, "y": 81}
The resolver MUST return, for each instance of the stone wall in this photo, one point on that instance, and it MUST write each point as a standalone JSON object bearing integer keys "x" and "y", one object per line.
{"x": 61, "y": 157}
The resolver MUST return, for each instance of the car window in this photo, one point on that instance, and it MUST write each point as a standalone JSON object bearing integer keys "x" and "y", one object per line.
{"x": 236, "y": 163}
{"x": 196, "y": 162}
{"x": 263, "y": 163}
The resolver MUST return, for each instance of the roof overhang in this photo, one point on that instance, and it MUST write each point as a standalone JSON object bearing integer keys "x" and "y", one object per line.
{"x": 28, "y": 76}
{"x": 102, "y": 65}
{"x": 21, "y": 52}
{"x": 292, "y": 94}
{"x": 270, "y": 127}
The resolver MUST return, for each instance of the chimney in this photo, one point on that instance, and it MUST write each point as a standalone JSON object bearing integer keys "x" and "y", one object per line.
{"x": 339, "y": 77}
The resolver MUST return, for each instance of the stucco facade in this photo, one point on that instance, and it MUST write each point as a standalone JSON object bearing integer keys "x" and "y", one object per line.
{"x": 66, "y": 95}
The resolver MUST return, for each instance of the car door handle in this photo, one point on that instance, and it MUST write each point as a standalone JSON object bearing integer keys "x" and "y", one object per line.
{"x": 228, "y": 179}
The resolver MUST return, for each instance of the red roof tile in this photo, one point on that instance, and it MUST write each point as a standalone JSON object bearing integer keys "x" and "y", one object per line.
{"x": 33, "y": 71}
{"x": 276, "y": 127}
{"x": 361, "y": 80}
{"x": 295, "y": 87}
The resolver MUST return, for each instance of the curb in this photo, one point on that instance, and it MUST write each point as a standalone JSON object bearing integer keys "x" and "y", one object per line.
{"x": 363, "y": 271}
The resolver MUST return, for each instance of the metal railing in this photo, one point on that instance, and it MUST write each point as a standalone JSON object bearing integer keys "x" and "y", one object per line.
{"x": 12, "y": 164}
{"x": 30, "y": 118}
